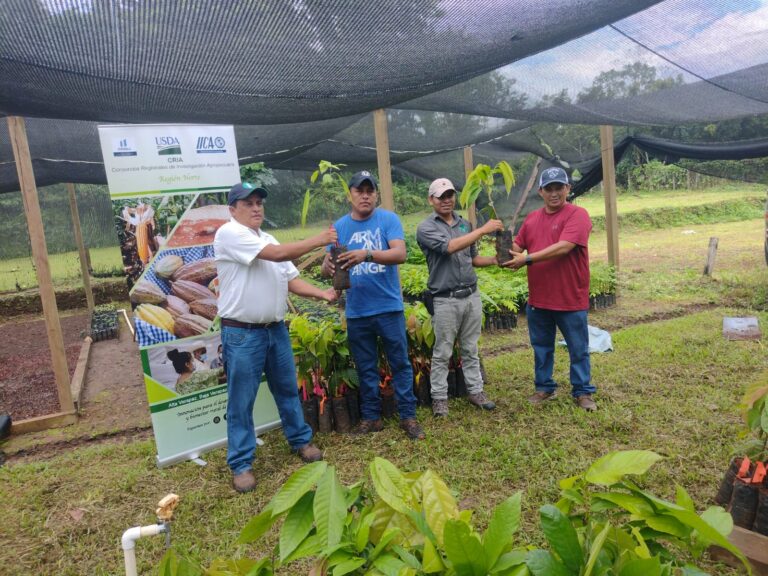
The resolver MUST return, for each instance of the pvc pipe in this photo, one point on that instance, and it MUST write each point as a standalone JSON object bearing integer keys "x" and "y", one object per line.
{"x": 129, "y": 543}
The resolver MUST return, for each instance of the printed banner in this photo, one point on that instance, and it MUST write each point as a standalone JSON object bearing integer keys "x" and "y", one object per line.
{"x": 169, "y": 185}
{"x": 154, "y": 159}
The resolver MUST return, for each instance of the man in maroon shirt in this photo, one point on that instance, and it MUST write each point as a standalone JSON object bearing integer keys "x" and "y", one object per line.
{"x": 555, "y": 240}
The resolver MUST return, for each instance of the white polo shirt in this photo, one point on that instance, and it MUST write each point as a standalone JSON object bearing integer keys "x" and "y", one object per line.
{"x": 250, "y": 289}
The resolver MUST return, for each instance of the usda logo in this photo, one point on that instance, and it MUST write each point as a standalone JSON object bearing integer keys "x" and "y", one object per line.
{"x": 167, "y": 145}
{"x": 210, "y": 145}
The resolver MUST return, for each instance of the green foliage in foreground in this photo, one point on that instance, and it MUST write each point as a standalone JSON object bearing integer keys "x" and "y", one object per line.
{"x": 410, "y": 523}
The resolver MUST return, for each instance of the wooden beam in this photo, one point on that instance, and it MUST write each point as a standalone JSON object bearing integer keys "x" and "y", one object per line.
{"x": 78, "y": 378}
{"x": 382, "y": 156}
{"x": 609, "y": 191}
{"x": 711, "y": 253}
{"x": 311, "y": 258}
{"x": 469, "y": 165}
{"x": 41, "y": 423}
{"x": 18, "y": 133}
{"x": 84, "y": 263}
{"x": 524, "y": 195}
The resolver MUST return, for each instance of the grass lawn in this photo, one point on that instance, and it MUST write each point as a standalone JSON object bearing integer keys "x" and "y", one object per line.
{"x": 672, "y": 385}
{"x": 626, "y": 202}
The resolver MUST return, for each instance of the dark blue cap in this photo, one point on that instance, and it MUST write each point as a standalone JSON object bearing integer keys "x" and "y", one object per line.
{"x": 361, "y": 177}
{"x": 242, "y": 190}
{"x": 553, "y": 175}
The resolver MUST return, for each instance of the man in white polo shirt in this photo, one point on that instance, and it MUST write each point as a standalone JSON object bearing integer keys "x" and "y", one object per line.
{"x": 255, "y": 275}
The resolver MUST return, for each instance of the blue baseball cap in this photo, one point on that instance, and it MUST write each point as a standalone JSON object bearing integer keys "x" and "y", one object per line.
{"x": 361, "y": 177}
{"x": 553, "y": 175}
{"x": 242, "y": 190}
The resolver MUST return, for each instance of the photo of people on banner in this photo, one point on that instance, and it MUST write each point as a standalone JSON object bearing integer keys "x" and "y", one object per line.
{"x": 188, "y": 366}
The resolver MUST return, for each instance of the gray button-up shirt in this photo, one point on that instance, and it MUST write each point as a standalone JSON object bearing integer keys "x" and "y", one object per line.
{"x": 446, "y": 271}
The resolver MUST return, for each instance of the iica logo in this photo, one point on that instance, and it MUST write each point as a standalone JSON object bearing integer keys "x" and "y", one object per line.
{"x": 210, "y": 145}
{"x": 123, "y": 147}
{"x": 167, "y": 145}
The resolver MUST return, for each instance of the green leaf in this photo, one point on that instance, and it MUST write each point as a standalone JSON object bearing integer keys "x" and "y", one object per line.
{"x": 594, "y": 549}
{"x": 297, "y": 525}
{"x": 314, "y": 176}
{"x": 668, "y": 525}
{"x": 388, "y": 537}
{"x": 407, "y": 557}
{"x": 430, "y": 558}
{"x": 330, "y": 508}
{"x": 506, "y": 172}
{"x": 509, "y": 560}
{"x": 561, "y": 535}
{"x": 542, "y": 563}
{"x": 363, "y": 530}
{"x": 389, "y": 565}
{"x": 464, "y": 550}
{"x": 642, "y": 567}
{"x": 505, "y": 521}
{"x": 438, "y": 503}
{"x": 389, "y": 483}
{"x": 348, "y": 566}
{"x": 298, "y": 484}
{"x": 719, "y": 519}
{"x": 305, "y": 207}
{"x": 632, "y": 503}
{"x": 683, "y": 499}
{"x": 706, "y": 533}
{"x": 470, "y": 192}
{"x": 257, "y": 526}
{"x": 311, "y": 546}
{"x": 642, "y": 548}
{"x": 612, "y": 467}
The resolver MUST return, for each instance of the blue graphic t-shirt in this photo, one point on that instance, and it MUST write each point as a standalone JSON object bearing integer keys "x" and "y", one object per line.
{"x": 375, "y": 288}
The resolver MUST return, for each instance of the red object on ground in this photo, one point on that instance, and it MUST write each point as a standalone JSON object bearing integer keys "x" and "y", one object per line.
{"x": 759, "y": 474}
{"x": 744, "y": 469}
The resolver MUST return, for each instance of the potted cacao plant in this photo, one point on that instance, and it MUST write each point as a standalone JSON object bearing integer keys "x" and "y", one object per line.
{"x": 327, "y": 182}
{"x": 482, "y": 179}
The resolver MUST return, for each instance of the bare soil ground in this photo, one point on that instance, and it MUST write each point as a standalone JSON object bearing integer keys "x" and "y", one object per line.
{"x": 27, "y": 384}
{"x": 113, "y": 402}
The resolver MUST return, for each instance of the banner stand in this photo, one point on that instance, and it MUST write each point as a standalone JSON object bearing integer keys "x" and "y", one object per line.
{"x": 194, "y": 455}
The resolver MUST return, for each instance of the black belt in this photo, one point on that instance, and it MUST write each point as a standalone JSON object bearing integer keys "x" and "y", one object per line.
{"x": 248, "y": 325}
{"x": 462, "y": 292}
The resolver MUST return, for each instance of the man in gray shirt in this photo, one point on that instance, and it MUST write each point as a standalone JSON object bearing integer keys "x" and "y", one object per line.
{"x": 448, "y": 242}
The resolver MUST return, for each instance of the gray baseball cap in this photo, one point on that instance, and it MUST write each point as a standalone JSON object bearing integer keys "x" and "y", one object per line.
{"x": 553, "y": 175}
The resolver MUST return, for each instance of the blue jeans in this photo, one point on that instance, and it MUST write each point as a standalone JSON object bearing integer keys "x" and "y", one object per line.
{"x": 362, "y": 336}
{"x": 248, "y": 355}
{"x": 542, "y": 326}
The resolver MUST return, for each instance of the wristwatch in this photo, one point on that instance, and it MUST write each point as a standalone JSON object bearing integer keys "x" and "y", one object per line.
{"x": 368, "y": 256}
{"x": 528, "y": 260}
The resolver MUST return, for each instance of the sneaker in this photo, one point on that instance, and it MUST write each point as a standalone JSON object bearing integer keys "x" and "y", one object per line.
{"x": 539, "y": 397}
{"x": 481, "y": 401}
{"x": 585, "y": 402}
{"x": 309, "y": 453}
{"x": 439, "y": 408}
{"x": 412, "y": 429}
{"x": 367, "y": 427}
{"x": 244, "y": 482}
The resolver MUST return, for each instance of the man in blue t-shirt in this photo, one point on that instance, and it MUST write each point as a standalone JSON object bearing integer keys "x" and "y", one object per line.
{"x": 375, "y": 246}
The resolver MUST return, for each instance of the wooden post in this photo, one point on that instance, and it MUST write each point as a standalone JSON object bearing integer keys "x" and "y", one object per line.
{"x": 710, "y": 265}
{"x": 382, "y": 156}
{"x": 609, "y": 189}
{"x": 469, "y": 165}
{"x": 80, "y": 246}
{"x": 18, "y": 133}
